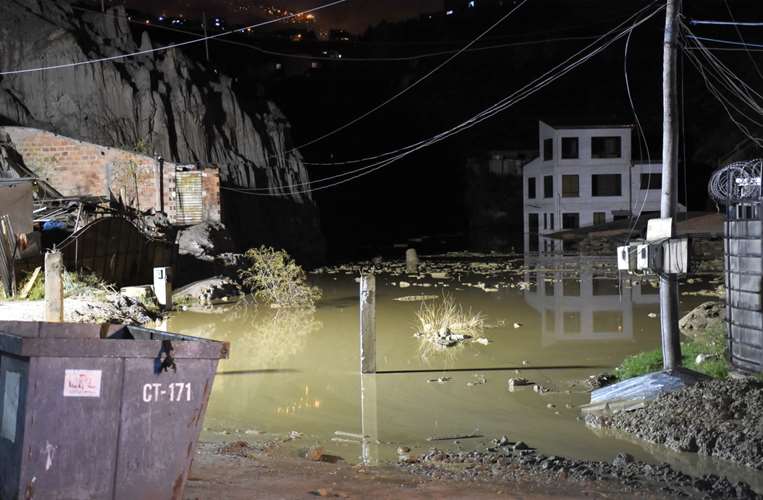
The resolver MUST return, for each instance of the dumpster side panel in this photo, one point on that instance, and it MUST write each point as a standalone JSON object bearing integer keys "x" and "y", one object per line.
{"x": 72, "y": 423}
{"x": 13, "y": 390}
{"x": 162, "y": 415}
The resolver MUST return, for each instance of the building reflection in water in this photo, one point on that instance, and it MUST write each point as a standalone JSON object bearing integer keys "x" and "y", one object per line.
{"x": 582, "y": 299}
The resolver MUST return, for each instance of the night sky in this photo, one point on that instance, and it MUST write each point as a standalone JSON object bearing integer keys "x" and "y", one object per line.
{"x": 355, "y": 15}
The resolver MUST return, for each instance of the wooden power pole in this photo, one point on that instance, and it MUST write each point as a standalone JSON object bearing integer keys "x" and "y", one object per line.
{"x": 671, "y": 345}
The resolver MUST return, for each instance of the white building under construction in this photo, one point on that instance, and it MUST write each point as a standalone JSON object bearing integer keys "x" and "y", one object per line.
{"x": 584, "y": 176}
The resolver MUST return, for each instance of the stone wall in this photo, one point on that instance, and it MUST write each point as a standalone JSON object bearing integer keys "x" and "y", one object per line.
{"x": 79, "y": 168}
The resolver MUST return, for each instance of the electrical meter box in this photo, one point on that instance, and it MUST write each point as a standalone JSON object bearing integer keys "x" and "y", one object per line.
{"x": 675, "y": 256}
{"x": 626, "y": 258}
{"x": 649, "y": 258}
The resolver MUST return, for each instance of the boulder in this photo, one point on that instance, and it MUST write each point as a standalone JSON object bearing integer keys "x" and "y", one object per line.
{"x": 704, "y": 317}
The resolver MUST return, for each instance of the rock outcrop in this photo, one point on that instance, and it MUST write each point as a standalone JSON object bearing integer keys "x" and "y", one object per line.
{"x": 160, "y": 102}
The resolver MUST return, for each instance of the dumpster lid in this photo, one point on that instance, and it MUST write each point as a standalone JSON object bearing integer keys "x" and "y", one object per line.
{"x": 41, "y": 339}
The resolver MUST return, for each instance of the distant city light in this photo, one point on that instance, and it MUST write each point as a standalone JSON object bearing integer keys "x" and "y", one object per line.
{"x": 472, "y": 3}
{"x": 449, "y": 13}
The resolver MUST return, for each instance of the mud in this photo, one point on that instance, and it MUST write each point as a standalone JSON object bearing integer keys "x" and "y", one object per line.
{"x": 719, "y": 418}
{"x": 507, "y": 462}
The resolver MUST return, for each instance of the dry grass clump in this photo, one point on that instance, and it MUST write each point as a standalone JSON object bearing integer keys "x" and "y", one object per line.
{"x": 275, "y": 278}
{"x": 444, "y": 323}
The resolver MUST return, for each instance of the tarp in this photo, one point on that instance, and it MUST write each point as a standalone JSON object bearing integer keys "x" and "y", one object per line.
{"x": 16, "y": 201}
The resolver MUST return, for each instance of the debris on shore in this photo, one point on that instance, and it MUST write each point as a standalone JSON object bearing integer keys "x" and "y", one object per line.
{"x": 719, "y": 418}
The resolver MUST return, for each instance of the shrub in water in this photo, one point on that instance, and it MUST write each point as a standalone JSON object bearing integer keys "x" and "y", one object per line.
{"x": 275, "y": 278}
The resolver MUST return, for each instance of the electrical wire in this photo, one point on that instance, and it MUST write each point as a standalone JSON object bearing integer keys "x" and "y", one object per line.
{"x": 642, "y": 135}
{"x": 719, "y": 78}
{"x": 727, "y": 42}
{"x": 546, "y": 79}
{"x": 739, "y": 34}
{"x": 166, "y": 47}
{"x": 725, "y": 23}
{"x": 410, "y": 148}
{"x": 309, "y": 57}
{"x": 411, "y": 86}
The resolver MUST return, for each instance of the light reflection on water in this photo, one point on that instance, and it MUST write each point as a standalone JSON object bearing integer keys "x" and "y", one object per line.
{"x": 293, "y": 370}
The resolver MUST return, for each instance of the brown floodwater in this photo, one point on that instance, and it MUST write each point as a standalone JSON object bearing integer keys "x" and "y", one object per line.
{"x": 554, "y": 321}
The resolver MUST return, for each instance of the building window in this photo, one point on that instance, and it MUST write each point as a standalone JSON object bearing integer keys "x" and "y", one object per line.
{"x": 550, "y": 321}
{"x": 599, "y": 218}
{"x": 570, "y": 221}
{"x": 606, "y": 185}
{"x": 551, "y": 221}
{"x": 570, "y": 186}
{"x": 651, "y": 181}
{"x": 572, "y": 322}
{"x": 548, "y": 186}
{"x": 607, "y": 321}
{"x": 548, "y": 149}
{"x": 545, "y": 221}
{"x": 532, "y": 223}
{"x": 571, "y": 287}
{"x": 570, "y": 148}
{"x": 606, "y": 147}
{"x": 531, "y": 188}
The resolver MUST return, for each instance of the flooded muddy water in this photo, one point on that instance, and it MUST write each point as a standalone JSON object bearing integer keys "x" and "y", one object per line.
{"x": 553, "y": 321}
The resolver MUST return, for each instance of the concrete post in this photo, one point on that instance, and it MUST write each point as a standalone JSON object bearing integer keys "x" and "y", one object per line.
{"x": 54, "y": 287}
{"x": 411, "y": 261}
{"x": 671, "y": 345}
{"x": 369, "y": 420}
{"x": 163, "y": 286}
{"x": 368, "y": 323}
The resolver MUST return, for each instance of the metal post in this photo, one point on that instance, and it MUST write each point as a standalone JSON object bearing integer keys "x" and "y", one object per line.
{"x": 671, "y": 345}
{"x": 368, "y": 323}
{"x": 54, "y": 287}
{"x": 369, "y": 420}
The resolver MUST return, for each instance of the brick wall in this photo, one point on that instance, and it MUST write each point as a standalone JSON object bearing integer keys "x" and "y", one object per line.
{"x": 77, "y": 168}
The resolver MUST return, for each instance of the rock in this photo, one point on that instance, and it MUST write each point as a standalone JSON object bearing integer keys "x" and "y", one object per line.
{"x": 205, "y": 241}
{"x": 208, "y": 291}
{"x": 701, "y": 358}
{"x": 520, "y": 445}
{"x": 706, "y": 316}
{"x": 517, "y": 325}
{"x": 163, "y": 103}
{"x": 404, "y": 284}
{"x": 315, "y": 454}
{"x": 598, "y": 381}
{"x": 515, "y": 383}
{"x": 622, "y": 459}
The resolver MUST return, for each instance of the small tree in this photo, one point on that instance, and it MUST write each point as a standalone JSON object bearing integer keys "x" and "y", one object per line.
{"x": 275, "y": 278}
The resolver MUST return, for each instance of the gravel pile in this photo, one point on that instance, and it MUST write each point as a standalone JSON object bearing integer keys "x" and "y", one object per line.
{"x": 509, "y": 462}
{"x": 719, "y": 418}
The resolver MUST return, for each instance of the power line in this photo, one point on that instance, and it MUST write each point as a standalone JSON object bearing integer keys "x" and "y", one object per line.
{"x": 728, "y": 42}
{"x": 546, "y": 79}
{"x": 309, "y": 57}
{"x": 411, "y": 86}
{"x": 739, "y": 34}
{"x": 166, "y": 47}
{"x": 725, "y": 23}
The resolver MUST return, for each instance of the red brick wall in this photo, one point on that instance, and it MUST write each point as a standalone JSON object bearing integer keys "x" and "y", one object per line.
{"x": 77, "y": 168}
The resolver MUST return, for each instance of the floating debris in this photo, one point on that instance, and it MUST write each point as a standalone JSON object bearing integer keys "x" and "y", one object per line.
{"x": 439, "y": 380}
{"x": 416, "y": 298}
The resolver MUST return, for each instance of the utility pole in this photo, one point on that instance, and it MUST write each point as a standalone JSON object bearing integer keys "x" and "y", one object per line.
{"x": 671, "y": 345}
{"x": 206, "y": 42}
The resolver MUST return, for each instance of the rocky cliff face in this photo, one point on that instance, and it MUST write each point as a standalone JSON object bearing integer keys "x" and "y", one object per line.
{"x": 162, "y": 102}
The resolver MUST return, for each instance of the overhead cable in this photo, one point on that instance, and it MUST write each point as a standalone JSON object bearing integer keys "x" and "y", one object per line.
{"x": 165, "y": 47}
{"x": 549, "y": 77}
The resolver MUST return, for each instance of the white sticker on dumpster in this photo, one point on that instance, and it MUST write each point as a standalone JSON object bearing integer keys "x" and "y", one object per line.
{"x": 82, "y": 384}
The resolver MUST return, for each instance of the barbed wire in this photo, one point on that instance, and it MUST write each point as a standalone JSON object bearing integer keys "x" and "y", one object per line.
{"x": 738, "y": 182}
